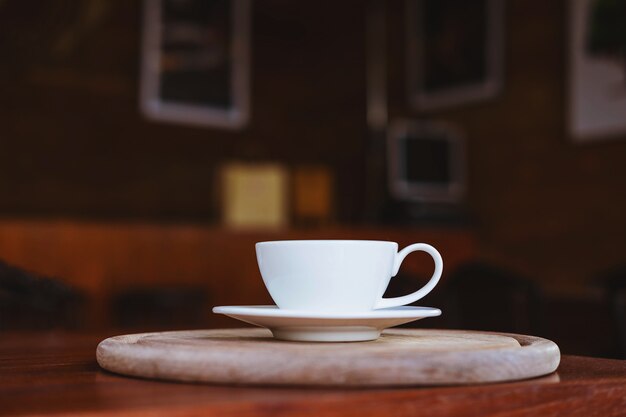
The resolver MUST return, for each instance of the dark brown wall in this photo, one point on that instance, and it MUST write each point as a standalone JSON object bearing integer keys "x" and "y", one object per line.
{"x": 545, "y": 205}
{"x": 74, "y": 144}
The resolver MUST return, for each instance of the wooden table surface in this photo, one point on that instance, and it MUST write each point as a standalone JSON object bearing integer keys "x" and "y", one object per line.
{"x": 56, "y": 373}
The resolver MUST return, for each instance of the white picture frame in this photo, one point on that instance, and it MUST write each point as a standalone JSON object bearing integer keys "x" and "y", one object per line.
{"x": 483, "y": 56}
{"x": 401, "y": 186}
{"x": 596, "y": 80}
{"x": 228, "y": 109}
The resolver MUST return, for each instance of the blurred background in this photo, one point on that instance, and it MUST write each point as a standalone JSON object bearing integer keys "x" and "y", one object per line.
{"x": 146, "y": 146}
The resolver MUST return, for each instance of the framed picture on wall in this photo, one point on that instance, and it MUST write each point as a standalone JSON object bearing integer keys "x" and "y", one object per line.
{"x": 426, "y": 162}
{"x": 454, "y": 51}
{"x": 597, "y": 60}
{"x": 195, "y": 62}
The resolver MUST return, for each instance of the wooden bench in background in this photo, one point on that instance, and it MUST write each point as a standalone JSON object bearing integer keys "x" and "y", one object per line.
{"x": 102, "y": 259}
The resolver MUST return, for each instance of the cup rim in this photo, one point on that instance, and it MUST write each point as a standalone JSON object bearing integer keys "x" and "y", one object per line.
{"x": 322, "y": 241}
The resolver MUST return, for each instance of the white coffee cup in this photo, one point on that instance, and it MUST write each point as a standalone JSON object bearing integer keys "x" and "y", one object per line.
{"x": 337, "y": 276}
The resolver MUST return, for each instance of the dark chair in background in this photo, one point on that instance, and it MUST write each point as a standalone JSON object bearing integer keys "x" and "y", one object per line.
{"x": 480, "y": 296}
{"x": 31, "y": 302}
{"x": 161, "y": 308}
{"x": 613, "y": 283}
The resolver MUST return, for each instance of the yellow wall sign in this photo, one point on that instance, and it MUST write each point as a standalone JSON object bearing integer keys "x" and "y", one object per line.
{"x": 254, "y": 195}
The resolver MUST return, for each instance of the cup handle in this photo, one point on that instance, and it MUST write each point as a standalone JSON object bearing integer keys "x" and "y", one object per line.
{"x": 410, "y": 298}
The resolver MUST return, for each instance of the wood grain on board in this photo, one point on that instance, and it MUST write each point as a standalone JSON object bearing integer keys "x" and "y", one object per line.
{"x": 400, "y": 357}
{"x": 55, "y": 373}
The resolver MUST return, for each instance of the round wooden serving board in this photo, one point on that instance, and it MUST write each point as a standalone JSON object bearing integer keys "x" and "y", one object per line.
{"x": 399, "y": 357}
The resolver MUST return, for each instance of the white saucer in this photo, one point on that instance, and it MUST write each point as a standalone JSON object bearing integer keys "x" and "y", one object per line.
{"x": 326, "y": 327}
